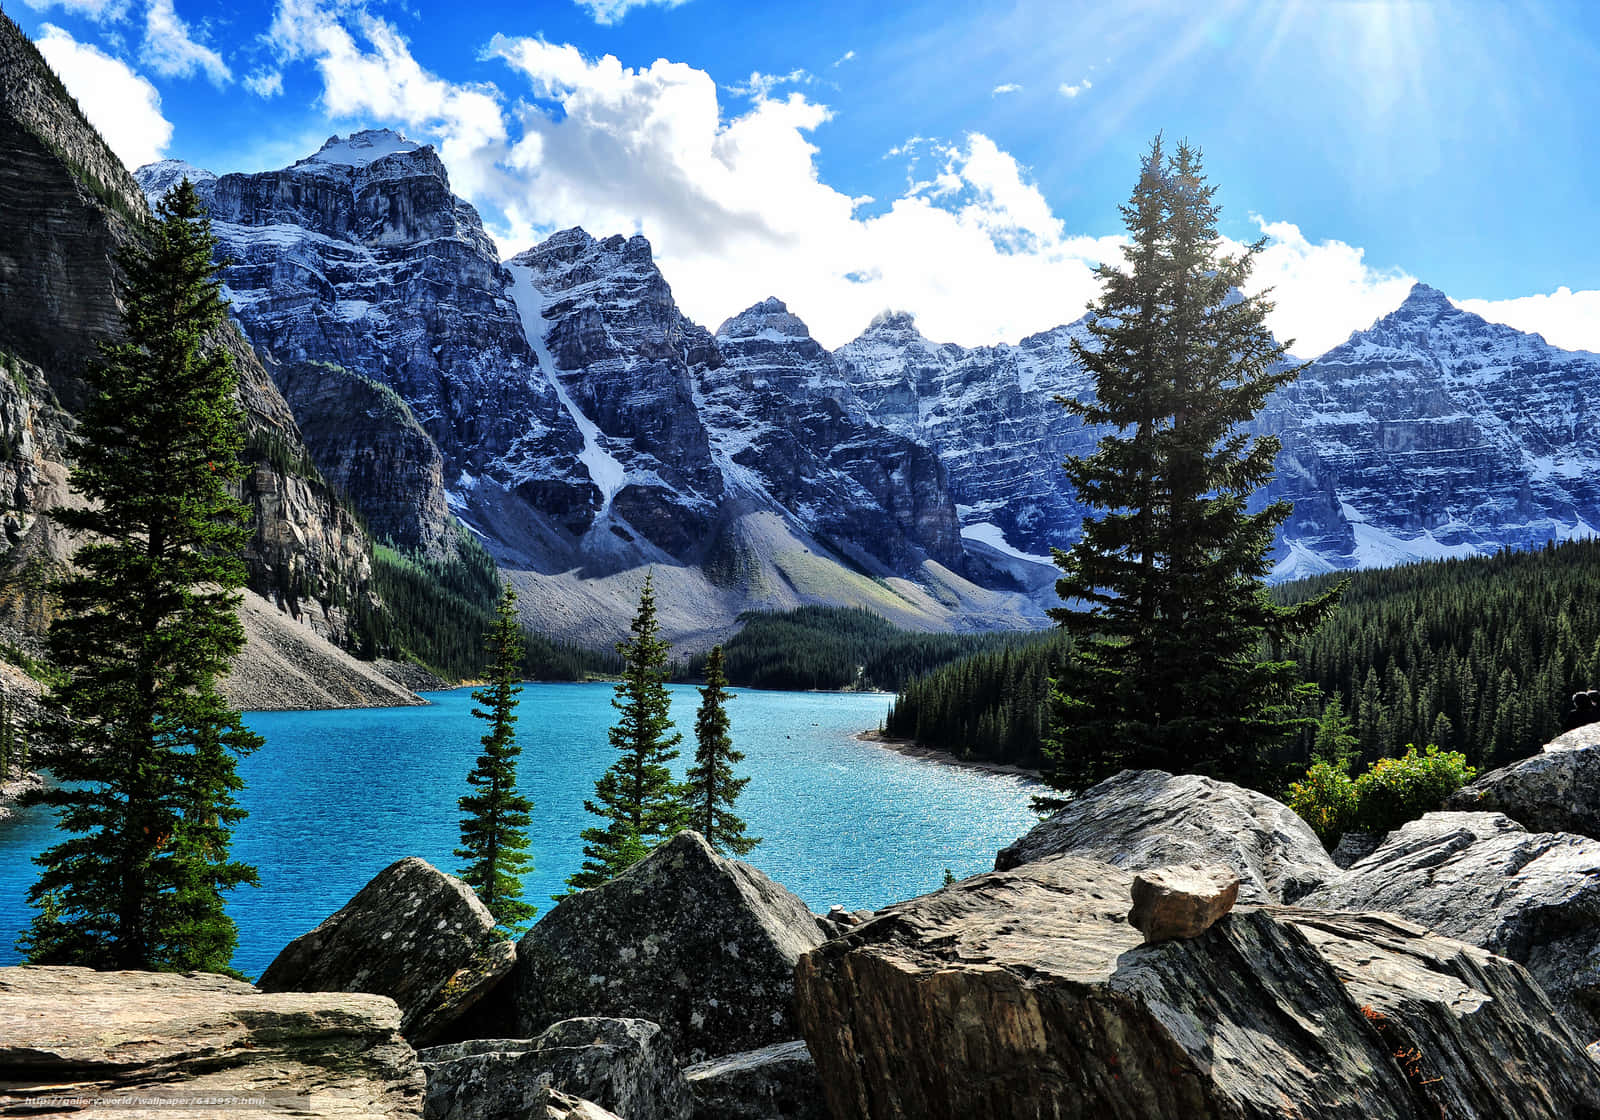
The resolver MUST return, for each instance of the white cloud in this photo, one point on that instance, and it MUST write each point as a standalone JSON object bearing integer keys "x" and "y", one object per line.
{"x": 1007, "y": 87}
{"x": 123, "y": 106}
{"x": 844, "y": 58}
{"x": 760, "y": 86}
{"x": 264, "y": 83}
{"x": 1568, "y": 319}
{"x": 101, "y": 11}
{"x": 611, "y": 11}
{"x": 171, "y": 50}
{"x": 1071, "y": 91}
{"x": 1323, "y": 290}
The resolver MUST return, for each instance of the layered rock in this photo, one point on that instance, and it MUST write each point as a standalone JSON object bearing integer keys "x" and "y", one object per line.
{"x": 76, "y": 1033}
{"x": 1027, "y": 994}
{"x": 702, "y": 945}
{"x": 413, "y": 934}
{"x": 1484, "y": 879}
{"x": 777, "y": 1082}
{"x": 1145, "y": 819}
{"x": 623, "y": 1065}
{"x": 1557, "y": 790}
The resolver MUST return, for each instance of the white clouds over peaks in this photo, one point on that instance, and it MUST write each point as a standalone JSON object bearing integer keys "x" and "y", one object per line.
{"x": 101, "y": 11}
{"x": 1568, "y": 319}
{"x": 1071, "y": 91}
{"x": 1008, "y": 87}
{"x": 170, "y": 48}
{"x": 1323, "y": 290}
{"x": 123, "y": 107}
{"x": 264, "y": 83}
{"x": 611, "y": 11}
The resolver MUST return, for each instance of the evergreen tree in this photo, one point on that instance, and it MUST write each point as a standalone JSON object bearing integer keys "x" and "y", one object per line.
{"x": 711, "y": 788}
{"x": 637, "y": 795}
{"x": 1164, "y": 591}
{"x": 1335, "y": 743}
{"x": 147, "y": 767}
{"x": 493, "y": 819}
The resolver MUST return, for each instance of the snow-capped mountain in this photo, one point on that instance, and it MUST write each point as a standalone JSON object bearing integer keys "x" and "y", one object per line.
{"x": 583, "y": 425}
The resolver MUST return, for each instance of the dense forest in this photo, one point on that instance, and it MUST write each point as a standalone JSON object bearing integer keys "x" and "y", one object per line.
{"x": 1478, "y": 656}
{"x": 834, "y": 648}
{"x": 438, "y": 612}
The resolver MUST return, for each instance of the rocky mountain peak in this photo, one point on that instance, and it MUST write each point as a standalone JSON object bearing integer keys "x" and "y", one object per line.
{"x": 157, "y": 178}
{"x": 361, "y": 148}
{"x": 770, "y": 320}
{"x": 888, "y": 323}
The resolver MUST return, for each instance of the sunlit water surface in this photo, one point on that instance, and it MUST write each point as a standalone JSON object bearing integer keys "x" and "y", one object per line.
{"x": 334, "y": 797}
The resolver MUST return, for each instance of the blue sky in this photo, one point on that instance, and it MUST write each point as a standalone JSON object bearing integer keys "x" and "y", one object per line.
{"x": 963, "y": 161}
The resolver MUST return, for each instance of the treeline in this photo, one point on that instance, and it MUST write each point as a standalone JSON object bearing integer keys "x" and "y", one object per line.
{"x": 1478, "y": 655}
{"x": 436, "y": 613}
{"x": 831, "y": 648}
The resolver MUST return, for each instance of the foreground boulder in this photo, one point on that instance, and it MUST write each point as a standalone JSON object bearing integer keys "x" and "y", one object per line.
{"x": 1173, "y": 902}
{"x": 1148, "y": 818}
{"x": 1026, "y": 994}
{"x": 1557, "y": 790}
{"x": 778, "y": 1082}
{"x": 73, "y": 1032}
{"x": 1484, "y": 879}
{"x": 702, "y": 945}
{"x": 414, "y": 934}
{"x": 624, "y": 1065}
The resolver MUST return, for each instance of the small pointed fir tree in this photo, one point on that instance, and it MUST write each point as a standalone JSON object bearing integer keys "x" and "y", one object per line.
{"x": 1335, "y": 742}
{"x": 493, "y": 840}
{"x": 711, "y": 789}
{"x": 1175, "y": 664}
{"x": 637, "y": 795}
{"x": 147, "y": 776}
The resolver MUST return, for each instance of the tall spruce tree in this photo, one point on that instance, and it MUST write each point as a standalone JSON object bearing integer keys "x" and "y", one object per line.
{"x": 1175, "y": 663}
{"x": 637, "y": 795}
{"x": 146, "y": 625}
{"x": 711, "y": 789}
{"x": 493, "y": 840}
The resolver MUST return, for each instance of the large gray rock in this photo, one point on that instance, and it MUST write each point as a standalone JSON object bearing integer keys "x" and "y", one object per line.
{"x": 703, "y": 945}
{"x": 73, "y": 1032}
{"x": 1026, "y": 994}
{"x": 1484, "y": 879}
{"x": 777, "y": 1082}
{"x": 1557, "y": 790}
{"x": 414, "y": 934}
{"x": 1142, "y": 819}
{"x": 624, "y": 1065}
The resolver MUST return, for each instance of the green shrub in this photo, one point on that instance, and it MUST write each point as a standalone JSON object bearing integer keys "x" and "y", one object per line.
{"x": 1396, "y": 790}
{"x": 1325, "y": 800}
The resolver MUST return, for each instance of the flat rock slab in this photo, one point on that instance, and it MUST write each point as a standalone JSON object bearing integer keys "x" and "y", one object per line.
{"x": 1173, "y": 902}
{"x": 625, "y": 1065}
{"x": 74, "y": 1032}
{"x": 778, "y": 1082}
{"x": 414, "y": 934}
{"x": 1484, "y": 879}
{"x": 702, "y": 945}
{"x": 1026, "y": 994}
{"x": 1142, "y": 819}
{"x": 1556, "y": 790}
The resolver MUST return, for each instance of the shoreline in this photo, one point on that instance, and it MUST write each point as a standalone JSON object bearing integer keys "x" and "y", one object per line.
{"x": 912, "y": 749}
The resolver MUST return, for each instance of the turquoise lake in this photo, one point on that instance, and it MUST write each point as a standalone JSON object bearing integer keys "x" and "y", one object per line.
{"x": 334, "y": 797}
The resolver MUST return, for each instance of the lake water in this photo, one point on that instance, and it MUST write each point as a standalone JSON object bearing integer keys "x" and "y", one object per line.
{"x": 334, "y": 797}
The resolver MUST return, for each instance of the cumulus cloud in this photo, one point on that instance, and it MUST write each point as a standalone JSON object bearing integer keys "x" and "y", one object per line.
{"x": 1070, "y": 91}
{"x": 1568, "y": 319}
{"x": 759, "y": 86}
{"x": 171, "y": 50}
{"x": 1007, "y": 87}
{"x": 264, "y": 83}
{"x": 1323, "y": 290}
{"x": 123, "y": 106}
{"x": 101, "y": 11}
{"x": 611, "y": 11}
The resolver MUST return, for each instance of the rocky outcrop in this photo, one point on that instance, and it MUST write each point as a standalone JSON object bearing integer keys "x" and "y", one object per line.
{"x": 1173, "y": 902}
{"x": 414, "y": 934}
{"x": 623, "y": 1065}
{"x": 777, "y": 1082}
{"x": 1557, "y": 790}
{"x": 1027, "y": 994}
{"x": 73, "y": 1032}
{"x": 1143, "y": 819}
{"x": 702, "y": 945}
{"x": 1483, "y": 879}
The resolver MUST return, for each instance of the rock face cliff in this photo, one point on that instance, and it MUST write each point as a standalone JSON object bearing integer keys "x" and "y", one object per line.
{"x": 580, "y": 422}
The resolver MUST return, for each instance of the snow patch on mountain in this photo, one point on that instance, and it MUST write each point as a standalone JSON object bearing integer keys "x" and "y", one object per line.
{"x": 360, "y": 148}
{"x": 987, "y": 532}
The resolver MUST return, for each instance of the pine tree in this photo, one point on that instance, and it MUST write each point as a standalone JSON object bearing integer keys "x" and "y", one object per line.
{"x": 1335, "y": 743}
{"x": 493, "y": 819}
{"x": 711, "y": 789}
{"x": 146, "y": 625}
{"x": 637, "y": 795}
{"x": 1164, "y": 591}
